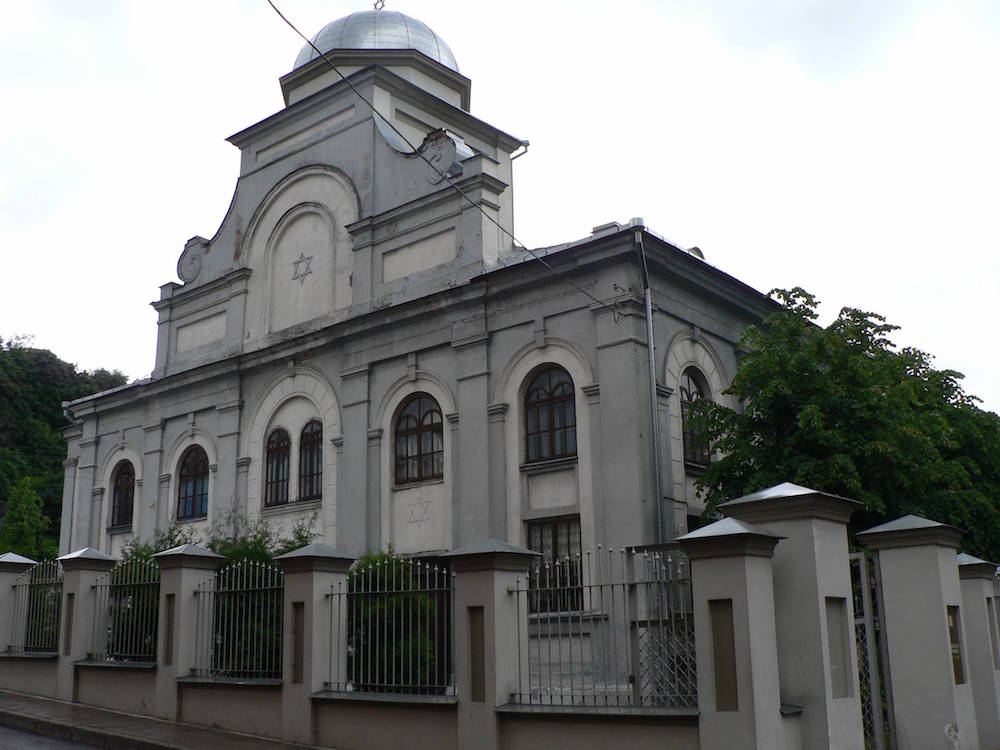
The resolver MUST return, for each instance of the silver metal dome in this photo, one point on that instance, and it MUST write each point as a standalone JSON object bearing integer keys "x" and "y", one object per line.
{"x": 378, "y": 29}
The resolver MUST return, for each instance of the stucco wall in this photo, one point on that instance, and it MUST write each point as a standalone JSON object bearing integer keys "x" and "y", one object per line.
{"x": 544, "y": 732}
{"x": 357, "y": 725}
{"x": 241, "y": 708}
{"x": 29, "y": 675}
{"x": 118, "y": 688}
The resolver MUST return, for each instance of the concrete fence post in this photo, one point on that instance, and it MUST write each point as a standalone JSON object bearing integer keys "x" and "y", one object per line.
{"x": 733, "y": 604}
{"x": 81, "y": 569}
{"x": 923, "y": 623}
{"x": 979, "y": 603}
{"x": 814, "y": 608}
{"x": 488, "y": 655}
{"x": 12, "y": 567}
{"x": 311, "y": 624}
{"x": 181, "y": 570}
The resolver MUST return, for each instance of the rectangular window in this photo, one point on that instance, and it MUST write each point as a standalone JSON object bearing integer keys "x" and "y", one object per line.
{"x": 839, "y": 646}
{"x": 954, "y": 635}
{"x": 724, "y": 654}
{"x": 556, "y": 581}
{"x": 991, "y": 614}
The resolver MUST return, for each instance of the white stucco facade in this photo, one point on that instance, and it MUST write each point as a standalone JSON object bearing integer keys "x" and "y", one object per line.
{"x": 348, "y": 278}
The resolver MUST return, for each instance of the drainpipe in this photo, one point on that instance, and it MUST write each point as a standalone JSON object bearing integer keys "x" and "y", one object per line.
{"x": 653, "y": 421}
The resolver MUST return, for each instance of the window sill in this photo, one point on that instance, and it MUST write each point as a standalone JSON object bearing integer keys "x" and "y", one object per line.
{"x": 120, "y": 529}
{"x": 553, "y": 464}
{"x": 421, "y": 483}
{"x": 691, "y": 467}
{"x": 291, "y": 506}
{"x": 191, "y": 519}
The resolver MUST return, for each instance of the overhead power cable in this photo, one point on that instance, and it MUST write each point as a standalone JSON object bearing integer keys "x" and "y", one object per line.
{"x": 439, "y": 172}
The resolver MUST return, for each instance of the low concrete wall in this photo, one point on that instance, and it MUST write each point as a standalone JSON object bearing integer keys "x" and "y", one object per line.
{"x": 119, "y": 688}
{"x": 579, "y": 731}
{"x": 353, "y": 724}
{"x": 27, "y": 674}
{"x": 252, "y": 709}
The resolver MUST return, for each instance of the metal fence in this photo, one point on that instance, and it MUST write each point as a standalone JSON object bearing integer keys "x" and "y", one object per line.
{"x": 613, "y": 629}
{"x": 37, "y": 609}
{"x": 239, "y": 623}
{"x": 126, "y": 610}
{"x": 396, "y": 619}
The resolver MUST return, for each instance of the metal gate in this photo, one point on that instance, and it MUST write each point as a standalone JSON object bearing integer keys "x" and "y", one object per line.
{"x": 876, "y": 689}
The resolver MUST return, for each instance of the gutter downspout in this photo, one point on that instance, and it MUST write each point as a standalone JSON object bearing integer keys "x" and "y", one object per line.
{"x": 654, "y": 422}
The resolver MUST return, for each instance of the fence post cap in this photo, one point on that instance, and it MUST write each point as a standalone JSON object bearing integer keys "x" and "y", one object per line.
{"x": 970, "y": 566}
{"x": 492, "y": 553}
{"x": 188, "y": 556}
{"x": 911, "y": 531}
{"x": 11, "y": 562}
{"x": 729, "y": 537}
{"x": 788, "y": 500}
{"x": 87, "y": 558}
{"x": 316, "y": 557}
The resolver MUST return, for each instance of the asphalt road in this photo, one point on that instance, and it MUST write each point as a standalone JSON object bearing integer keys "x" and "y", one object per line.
{"x": 11, "y": 739}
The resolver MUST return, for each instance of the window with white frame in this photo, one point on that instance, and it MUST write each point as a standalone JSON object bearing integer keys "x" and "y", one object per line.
{"x": 122, "y": 495}
{"x": 692, "y": 389}
{"x": 192, "y": 485}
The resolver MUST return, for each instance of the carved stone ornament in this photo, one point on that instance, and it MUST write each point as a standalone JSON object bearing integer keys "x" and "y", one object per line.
{"x": 190, "y": 262}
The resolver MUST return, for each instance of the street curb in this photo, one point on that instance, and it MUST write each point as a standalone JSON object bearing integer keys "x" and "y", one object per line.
{"x": 64, "y": 731}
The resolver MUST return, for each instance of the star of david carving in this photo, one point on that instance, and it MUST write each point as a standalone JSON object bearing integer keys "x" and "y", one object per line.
{"x": 419, "y": 512}
{"x": 302, "y": 268}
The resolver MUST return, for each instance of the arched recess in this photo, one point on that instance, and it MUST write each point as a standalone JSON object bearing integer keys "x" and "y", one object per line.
{"x": 192, "y": 435}
{"x": 687, "y": 350}
{"x": 122, "y": 451}
{"x": 300, "y": 251}
{"x": 511, "y": 390}
{"x": 418, "y": 517}
{"x": 290, "y": 401}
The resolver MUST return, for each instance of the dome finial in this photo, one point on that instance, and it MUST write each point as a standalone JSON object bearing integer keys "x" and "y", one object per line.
{"x": 379, "y": 4}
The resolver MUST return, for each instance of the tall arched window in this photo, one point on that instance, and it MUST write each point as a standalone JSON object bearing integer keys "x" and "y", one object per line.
{"x": 550, "y": 415}
{"x": 696, "y": 448}
{"x": 122, "y": 494}
{"x": 192, "y": 489}
{"x": 311, "y": 461}
{"x": 276, "y": 468}
{"x": 419, "y": 440}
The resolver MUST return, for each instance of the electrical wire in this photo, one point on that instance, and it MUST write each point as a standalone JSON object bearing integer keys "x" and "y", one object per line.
{"x": 517, "y": 245}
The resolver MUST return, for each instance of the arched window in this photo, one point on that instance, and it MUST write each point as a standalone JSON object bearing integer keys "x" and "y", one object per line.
{"x": 696, "y": 448}
{"x": 419, "y": 440}
{"x": 276, "y": 468}
{"x": 311, "y": 461}
{"x": 122, "y": 494}
{"x": 550, "y": 415}
{"x": 192, "y": 489}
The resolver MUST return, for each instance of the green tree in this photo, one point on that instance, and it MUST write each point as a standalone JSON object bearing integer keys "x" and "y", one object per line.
{"x": 25, "y": 524}
{"x": 840, "y": 409}
{"x": 33, "y": 385}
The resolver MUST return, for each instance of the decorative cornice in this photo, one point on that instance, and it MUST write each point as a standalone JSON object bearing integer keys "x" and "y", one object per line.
{"x": 498, "y": 409}
{"x": 374, "y": 434}
{"x": 337, "y": 441}
{"x": 452, "y": 417}
{"x": 97, "y": 492}
{"x": 243, "y": 462}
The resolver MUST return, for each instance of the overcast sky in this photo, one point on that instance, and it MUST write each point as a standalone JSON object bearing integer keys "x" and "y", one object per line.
{"x": 849, "y": 147}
